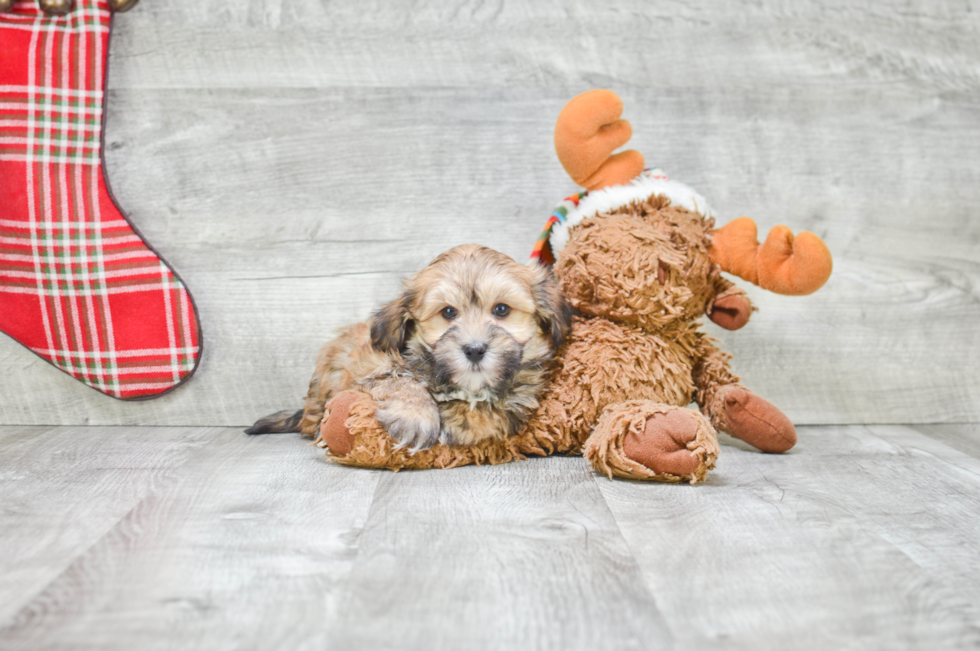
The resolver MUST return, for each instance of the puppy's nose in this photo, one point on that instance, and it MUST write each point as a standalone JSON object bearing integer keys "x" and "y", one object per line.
{"x": 475, "y": 352}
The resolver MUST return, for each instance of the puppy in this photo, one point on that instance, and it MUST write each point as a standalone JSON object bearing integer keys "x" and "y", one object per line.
{"x": 460, "y": 357}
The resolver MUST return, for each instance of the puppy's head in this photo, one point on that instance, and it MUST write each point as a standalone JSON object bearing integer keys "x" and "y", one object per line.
{"x": 475, "y": 317}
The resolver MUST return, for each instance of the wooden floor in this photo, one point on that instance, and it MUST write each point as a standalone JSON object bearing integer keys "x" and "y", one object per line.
{"x": 863, "y": 537}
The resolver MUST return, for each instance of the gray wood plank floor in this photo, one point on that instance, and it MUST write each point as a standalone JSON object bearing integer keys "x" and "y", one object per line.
{"x": 294, "y": 158}
{"x": 862, "y": 537}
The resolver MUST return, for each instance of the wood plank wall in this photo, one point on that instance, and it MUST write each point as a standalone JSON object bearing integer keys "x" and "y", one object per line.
{"x": 293, "y": 158}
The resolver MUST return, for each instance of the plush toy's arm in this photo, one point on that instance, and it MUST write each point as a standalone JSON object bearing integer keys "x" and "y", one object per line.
{"x": 730, "y": 308}
{"x": 354, "y": 437}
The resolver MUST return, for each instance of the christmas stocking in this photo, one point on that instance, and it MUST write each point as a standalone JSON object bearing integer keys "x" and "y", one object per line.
{"x": 78, "y": 285}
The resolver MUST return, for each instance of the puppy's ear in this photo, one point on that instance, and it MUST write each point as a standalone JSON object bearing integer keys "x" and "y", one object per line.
{"x": 554, "y": 313}
{"x": 392, "y": 325}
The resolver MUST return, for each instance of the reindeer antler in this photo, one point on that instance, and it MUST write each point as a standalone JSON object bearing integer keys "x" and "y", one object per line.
{"x": 783, "y": 264}
{"x": 588, "y": 131}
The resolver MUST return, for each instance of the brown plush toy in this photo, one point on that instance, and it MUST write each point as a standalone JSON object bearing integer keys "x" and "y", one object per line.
{"x": 637, "y": 258}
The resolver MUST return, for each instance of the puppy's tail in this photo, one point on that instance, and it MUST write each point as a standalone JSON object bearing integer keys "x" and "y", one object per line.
{"x": 281, "y": 421}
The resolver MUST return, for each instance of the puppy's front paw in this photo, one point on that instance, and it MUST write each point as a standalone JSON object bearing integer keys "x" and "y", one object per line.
{"x": 410, "y": 425}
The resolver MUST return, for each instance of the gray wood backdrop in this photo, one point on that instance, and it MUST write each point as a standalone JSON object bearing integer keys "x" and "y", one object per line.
{"x": 293, "y": 158}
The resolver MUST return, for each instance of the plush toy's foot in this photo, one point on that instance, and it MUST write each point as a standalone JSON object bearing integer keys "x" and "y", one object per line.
{"x": 757, "y": 421}
{"x": 640, "y": 439}
{"x": 662, "y": 445}
{"x": 333, "y": 430}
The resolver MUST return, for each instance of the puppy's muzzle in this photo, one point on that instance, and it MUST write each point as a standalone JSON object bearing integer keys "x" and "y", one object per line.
{"x": 475, "y": 352}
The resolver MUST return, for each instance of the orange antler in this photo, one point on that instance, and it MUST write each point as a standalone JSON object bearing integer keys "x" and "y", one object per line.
{"x": 784, "y": 264}
{"x": 587, "y": 132}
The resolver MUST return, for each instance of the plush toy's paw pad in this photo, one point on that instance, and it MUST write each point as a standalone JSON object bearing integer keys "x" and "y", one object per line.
{"x": 731, "y": 312}
{"x": 757, "y": 421}
{"x": 662, "y": 447}
{"x": 333, "y": 430}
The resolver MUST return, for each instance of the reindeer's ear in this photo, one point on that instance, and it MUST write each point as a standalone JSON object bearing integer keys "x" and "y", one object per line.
{"x": 392, "y": 325}
{"x": 554, "y": 314}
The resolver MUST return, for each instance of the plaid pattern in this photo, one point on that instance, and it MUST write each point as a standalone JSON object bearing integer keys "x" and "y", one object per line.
{"x": 78, "y": 286}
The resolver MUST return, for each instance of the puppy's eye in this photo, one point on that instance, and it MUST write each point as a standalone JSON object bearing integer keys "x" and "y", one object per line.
{"x": 501, "y": 310}
{"x": 449, "y": 313}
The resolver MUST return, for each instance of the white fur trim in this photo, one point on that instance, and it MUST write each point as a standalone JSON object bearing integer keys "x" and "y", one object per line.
{"x": 647, "y": 184}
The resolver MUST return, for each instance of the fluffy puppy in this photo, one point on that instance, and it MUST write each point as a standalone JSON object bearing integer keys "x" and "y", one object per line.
{"x": 461, "y": 356}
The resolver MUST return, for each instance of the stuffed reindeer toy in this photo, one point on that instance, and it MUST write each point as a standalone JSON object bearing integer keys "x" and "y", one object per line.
{"x": 637, "y": 257}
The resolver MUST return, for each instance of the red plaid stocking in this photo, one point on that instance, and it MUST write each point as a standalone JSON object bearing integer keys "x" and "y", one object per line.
{"x": 78, "y": 286}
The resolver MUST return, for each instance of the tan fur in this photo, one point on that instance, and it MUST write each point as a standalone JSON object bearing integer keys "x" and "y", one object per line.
{"x": 337, "y": 364}
{"x": 613, "y": 266}
{"x": 409, "y": 358}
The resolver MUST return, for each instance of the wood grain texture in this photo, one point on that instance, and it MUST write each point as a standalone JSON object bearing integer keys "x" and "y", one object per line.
{"x": 293, "y": 160}
{"x": 65, "y": 488}
{"x": 863, "y": 537}
{"x": 520, "y": 556}
{"x": 242, "y": 545}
